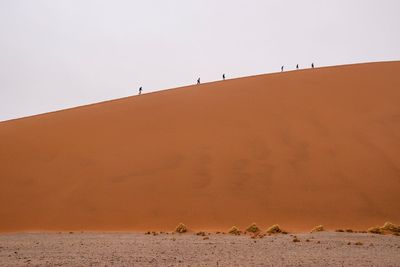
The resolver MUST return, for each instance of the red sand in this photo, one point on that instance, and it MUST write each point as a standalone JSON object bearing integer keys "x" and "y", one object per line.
{"x": 299, "y": 148}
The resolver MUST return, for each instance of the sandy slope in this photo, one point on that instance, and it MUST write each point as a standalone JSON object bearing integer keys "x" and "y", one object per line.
{"x": 299, "y": 148}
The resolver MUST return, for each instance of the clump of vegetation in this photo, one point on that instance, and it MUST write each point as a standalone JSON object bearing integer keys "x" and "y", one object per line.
{"x": 375, "y": 230}
{"x": 358, "y": 244}
{"x": 206, "y": 238}
{"x": 274, "y": 229}
{"x": 318, "y": 228}
{"x": 253, "y": 228}
{"x": 234, "y": 231}
{"x": 181, "y": 228}
{"x": 349, "y": 231}
{"x": 388, "y": 226}
{"x": 295, "y": 239}
{"x": 339, "y": 230}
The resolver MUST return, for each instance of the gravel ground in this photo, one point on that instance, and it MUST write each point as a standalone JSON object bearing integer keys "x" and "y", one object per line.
{"x": 138, "y": 249}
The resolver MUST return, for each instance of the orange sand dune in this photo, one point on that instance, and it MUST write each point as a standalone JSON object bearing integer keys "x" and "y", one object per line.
{"x": 299, "y": 148}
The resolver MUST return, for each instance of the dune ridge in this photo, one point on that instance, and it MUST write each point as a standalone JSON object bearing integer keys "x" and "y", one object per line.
{"x": 301, "y": 148}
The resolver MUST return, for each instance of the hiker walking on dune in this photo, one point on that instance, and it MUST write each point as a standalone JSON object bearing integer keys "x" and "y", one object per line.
{"x": 297, "y": 66}
{"x": 312, "y": 65}
{"x": 282, "y": 69}
{"x": 140, "y": 90}
{"x": 198, "y": 81}
{"x": 223, "y": 76}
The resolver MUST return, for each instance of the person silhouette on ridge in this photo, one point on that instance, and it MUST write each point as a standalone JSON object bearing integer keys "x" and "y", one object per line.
{"x": 312, "y": 65}
{"x": 282, "y": 69}
{"x": 297, "y": 66}
{"x": 223, "y": 76}
{"x": 140, "y": 90}
{"x": 198, "y": 81}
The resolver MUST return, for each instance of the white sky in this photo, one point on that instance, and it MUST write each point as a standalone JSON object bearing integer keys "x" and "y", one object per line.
{"x": 56, "y": 54}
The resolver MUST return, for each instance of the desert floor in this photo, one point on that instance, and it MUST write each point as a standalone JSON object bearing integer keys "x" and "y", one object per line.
{"x": 138, "y": 249}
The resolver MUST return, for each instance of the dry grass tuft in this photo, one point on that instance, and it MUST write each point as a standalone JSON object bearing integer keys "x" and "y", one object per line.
{"x": 206, "y": 238}
{"x": 234, "y": 231}
{"x": 339, "y": 230}
{"x": 296, "y": 240}
{"x": 349, "y": 231}
{"x": 318, "y": 228}
{"x": 388, "y": 226}
{"x": 375, "y": 230}
{"x": 181, "y": 228}
{"x": 253, "y": 228}
{"x": 274, "y": 229}
{"x": 358, "y": 243}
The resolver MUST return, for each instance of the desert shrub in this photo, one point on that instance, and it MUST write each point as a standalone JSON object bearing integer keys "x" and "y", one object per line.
{"x": 201, "y": 233}
{"x": 339, "y": 230}
{"x": 296, "y": 239}
{"x": 388, "y": 226}
{"x": 349, "y": 231}
{"x": 318, "y": 228}
{"x": 375, "y": 230}
{"x": 234, "y": 231}
{"x": 358, "y": 244}
{"x": 253, "y": 228}
{"x": 181, "y": 228}
{"x": 274, "y": 229}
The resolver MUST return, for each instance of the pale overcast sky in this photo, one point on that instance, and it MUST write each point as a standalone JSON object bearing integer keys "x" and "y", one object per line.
{"x": 56, "y": 54}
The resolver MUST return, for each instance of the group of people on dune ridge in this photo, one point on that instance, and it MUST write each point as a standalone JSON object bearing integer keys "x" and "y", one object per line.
{"x": 223, "y": 76}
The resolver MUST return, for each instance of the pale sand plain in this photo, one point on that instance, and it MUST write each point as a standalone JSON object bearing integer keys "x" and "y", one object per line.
{"x": 128, "y": 249}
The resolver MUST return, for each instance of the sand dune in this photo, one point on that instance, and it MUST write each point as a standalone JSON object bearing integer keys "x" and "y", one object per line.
{"x": 299, "y": 148}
